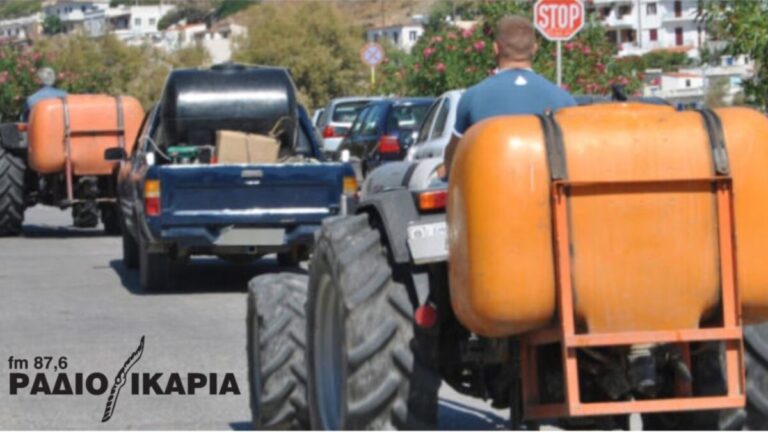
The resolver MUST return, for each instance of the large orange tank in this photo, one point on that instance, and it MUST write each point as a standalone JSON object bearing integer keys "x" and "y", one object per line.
{"x": 640, "y": 261}
{"x": 93, "y": 125}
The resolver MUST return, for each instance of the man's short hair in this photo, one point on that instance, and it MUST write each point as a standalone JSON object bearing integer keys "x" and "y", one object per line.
{"x": 47, "y": 76}
{"x": 516, "y": 38}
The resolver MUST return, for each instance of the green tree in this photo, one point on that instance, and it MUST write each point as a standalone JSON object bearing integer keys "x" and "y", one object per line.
{"x": 52, "y": 25}
{"x": 231, "y": 7}
{"x": 106, "y": 65}
{"x": 742, "y": 25}
{"x": 191, "y": 14}
{"x": 314, "y": 40}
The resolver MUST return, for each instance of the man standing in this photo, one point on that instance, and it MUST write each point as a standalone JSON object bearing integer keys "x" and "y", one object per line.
{"x": 514, "y": 89}
{"x": 47, "y": 77}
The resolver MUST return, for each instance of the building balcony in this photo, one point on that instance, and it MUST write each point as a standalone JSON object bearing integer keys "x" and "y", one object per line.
{"x": 686, "y": 16}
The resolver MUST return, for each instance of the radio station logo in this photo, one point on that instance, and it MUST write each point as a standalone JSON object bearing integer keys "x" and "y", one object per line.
{"x": 47, "y": 375}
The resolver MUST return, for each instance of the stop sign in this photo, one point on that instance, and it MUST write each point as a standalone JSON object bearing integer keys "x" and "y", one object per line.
{"x": 558, "y": 19}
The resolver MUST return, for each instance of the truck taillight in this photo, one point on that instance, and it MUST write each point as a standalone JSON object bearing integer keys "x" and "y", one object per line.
{"x": 432, "y": 200}
{"x": 152, "y": 197}
{"x": 389, "y": 144}
{"x": 350, "y": 186}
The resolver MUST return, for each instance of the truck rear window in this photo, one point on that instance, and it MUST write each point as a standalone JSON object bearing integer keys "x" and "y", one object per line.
{"x": 406, "y": 116}
{"x": 347, "y": 111}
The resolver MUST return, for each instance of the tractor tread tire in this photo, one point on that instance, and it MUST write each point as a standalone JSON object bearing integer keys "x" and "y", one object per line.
{"x": 12, "y": 170}
{"x": 386, "y": 386}
{"x": 276, "y": 325}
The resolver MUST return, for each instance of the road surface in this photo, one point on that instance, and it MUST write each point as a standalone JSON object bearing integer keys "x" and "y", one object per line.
{"x": 65, "y": 293}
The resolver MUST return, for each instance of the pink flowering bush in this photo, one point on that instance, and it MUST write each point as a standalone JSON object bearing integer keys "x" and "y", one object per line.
{"x": 18, "y": 78}
{"x": 450, "y": 58}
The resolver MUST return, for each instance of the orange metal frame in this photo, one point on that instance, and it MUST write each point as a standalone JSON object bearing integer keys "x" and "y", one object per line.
{"x": 729, "y": 332}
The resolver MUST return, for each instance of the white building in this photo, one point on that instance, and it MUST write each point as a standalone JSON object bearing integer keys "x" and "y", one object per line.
{"x": 73, "y": 13}
{"x": 402, "y": 36}
{"x": 21, "y": 30}
{"x": 219, "y": 41}
{"x": 689, "y": 86}
{"x": 96, "y": 18}
{"x": 640, "y": 26}
{"x": 144, "y": 19}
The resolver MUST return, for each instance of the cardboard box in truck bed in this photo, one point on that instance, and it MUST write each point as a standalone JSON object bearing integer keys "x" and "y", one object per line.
{"x": 240, "y": 147}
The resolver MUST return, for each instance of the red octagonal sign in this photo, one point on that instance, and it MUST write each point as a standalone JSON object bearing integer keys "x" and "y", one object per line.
{"x": 558, "y": 19}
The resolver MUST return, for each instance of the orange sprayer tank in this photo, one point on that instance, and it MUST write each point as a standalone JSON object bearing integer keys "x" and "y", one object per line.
{"x": 93, "y": 124}
{"x": 640, "y": 261}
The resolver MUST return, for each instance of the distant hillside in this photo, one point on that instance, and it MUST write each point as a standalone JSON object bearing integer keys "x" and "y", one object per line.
{"x": 10, "y": 9}
{"x": 375, "y": 13}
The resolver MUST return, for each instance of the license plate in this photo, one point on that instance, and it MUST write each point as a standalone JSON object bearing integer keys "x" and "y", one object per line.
{"x": 428, "y": 242}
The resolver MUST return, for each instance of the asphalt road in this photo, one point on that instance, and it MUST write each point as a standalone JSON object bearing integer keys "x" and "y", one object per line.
{"x": 66, "y": 293}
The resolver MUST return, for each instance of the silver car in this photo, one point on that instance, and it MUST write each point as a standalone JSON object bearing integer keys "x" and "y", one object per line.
{"x": 436, "y": 129}
{"x": 337, "y": 119}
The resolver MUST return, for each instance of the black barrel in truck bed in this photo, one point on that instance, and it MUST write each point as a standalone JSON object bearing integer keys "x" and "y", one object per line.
{"x": 198, "y": 102}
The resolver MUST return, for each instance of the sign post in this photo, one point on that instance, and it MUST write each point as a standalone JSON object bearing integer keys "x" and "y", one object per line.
{"x": 558, "y": 20}
{"x": 372, "y": 54}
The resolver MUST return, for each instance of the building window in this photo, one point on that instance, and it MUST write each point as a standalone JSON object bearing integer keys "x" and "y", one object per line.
{"x": 679, "y": 36}
{"x": 376, "y": 37}
{"x": 650, "y": 9}
{"x": 395, "y": 37}
{"x": 413, "y": 35}
{"x": 687, "y": 83}
{"x": 624, "y": 10}
{"x": 654, "y": 35}
{"x": 137, "y": 22}
{"x": 678, "y": 8}
{"x": 152, "y": 21}
{"x": 605, "y": 11}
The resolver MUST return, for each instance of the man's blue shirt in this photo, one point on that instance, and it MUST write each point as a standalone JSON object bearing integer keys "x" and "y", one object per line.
{"x": 509, "y": 92}
{"x": 47, "y": 92}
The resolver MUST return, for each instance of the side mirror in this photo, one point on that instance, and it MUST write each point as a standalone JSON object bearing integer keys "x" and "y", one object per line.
{"x": 115, "y": 154}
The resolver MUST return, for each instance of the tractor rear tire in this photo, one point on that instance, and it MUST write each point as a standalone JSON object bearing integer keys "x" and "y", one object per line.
{"x": 364, "y": 371}
{"x": 85, "y": 214}
{"x": 11, "y": 193}
{"x": 756, "y": 368}
{"x": 753, "y": 417}
{"x": 277, "y": 373}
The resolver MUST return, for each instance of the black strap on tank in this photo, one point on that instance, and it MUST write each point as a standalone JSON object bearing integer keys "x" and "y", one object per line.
{"x": 120, "y": 121}
{"x": 553, "y": 139}
{"x": 714, "y": 128}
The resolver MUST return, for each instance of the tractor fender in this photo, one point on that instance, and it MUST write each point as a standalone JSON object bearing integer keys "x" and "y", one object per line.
{"x": 394, "y": 209}
{"x": 11, "y": 138}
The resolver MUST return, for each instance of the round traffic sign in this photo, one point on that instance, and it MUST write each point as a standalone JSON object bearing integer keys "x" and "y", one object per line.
{"x": 372, "y": 54}
{"x": 558, "y": 19}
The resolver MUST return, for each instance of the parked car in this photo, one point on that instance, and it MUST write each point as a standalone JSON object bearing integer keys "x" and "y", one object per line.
{"x": 337, "y": 118}
{"x": 316, "y": 116}
{"x": 183, "y": 192}
{"x": 384, "y": 130}
{"x": 436, "y": 129}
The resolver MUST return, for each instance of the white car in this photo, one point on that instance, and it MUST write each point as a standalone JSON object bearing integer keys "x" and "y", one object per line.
{"x": 337, "y": 118}
{"x": 436, "y": 129}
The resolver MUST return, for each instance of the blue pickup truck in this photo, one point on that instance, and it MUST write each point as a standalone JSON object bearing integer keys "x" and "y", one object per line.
{"x": 179, "y": 198}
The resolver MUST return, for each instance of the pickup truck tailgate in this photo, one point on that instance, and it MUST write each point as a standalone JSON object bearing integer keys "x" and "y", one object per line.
{"x": 270, "y": 194}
